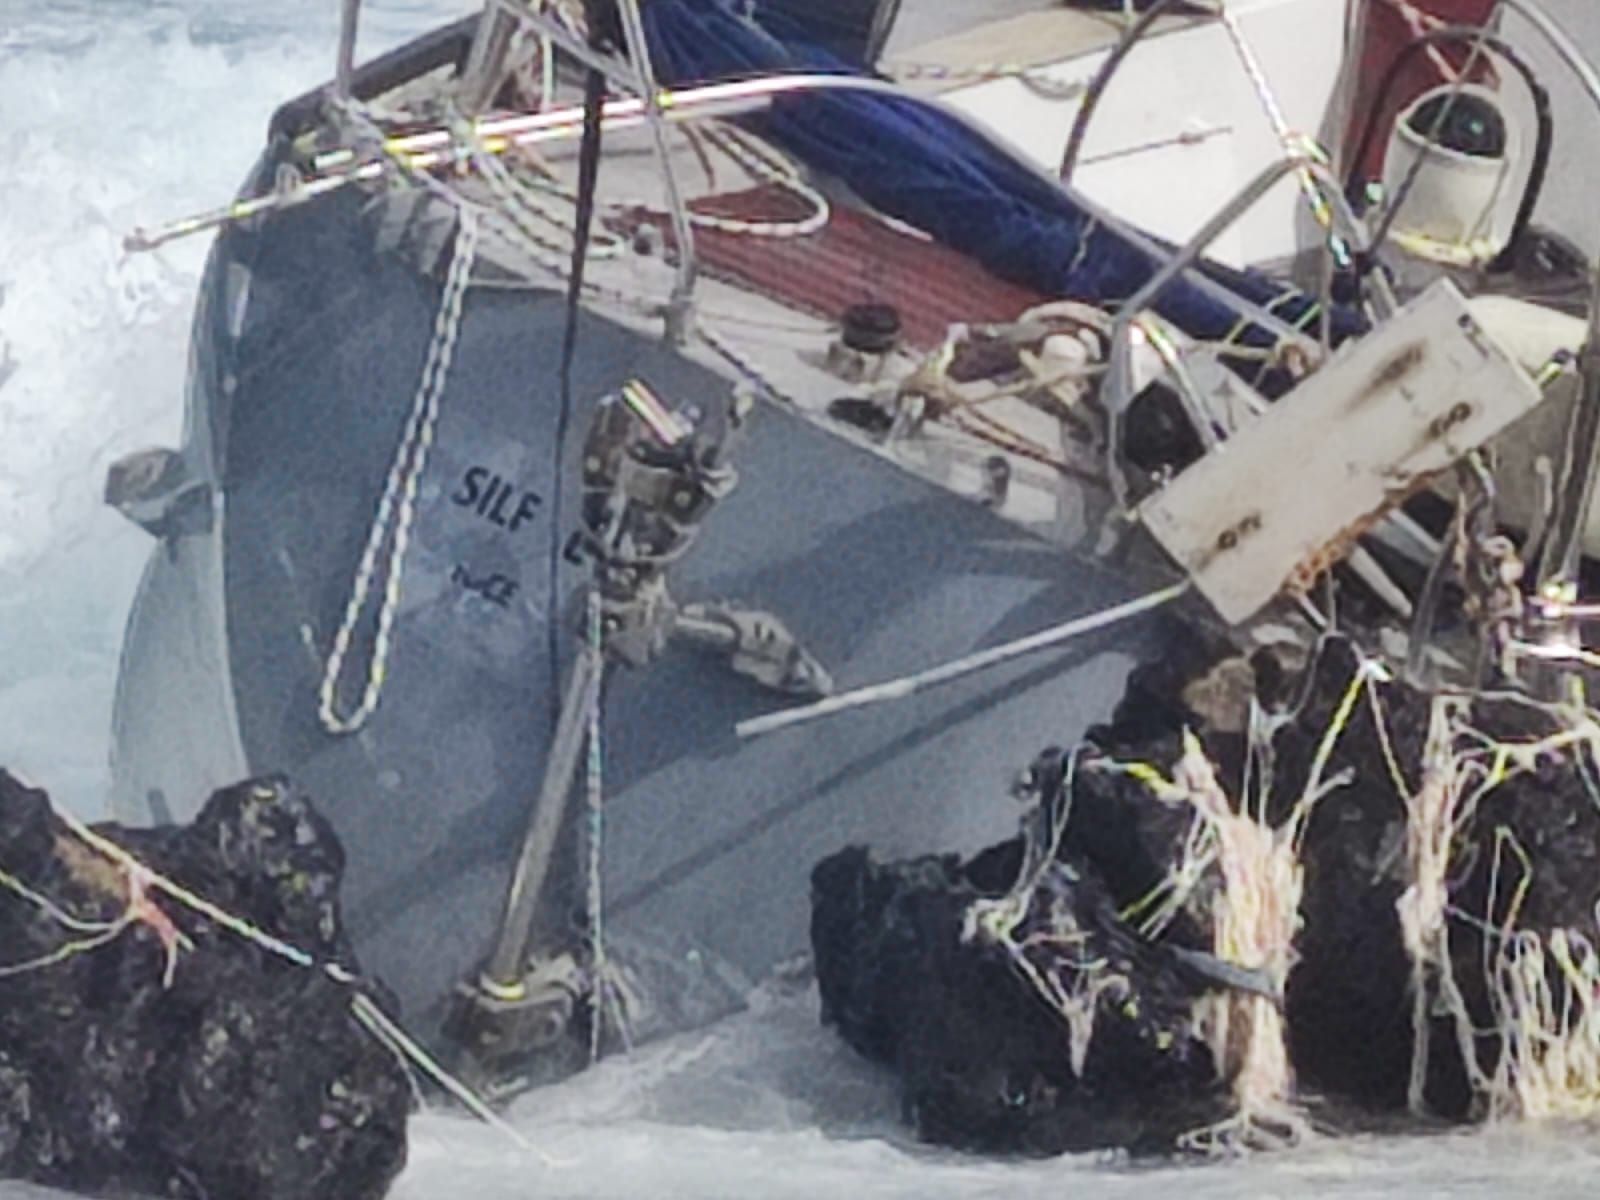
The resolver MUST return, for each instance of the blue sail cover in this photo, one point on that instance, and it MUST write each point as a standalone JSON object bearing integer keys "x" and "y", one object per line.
{"x": 927, "y": 168}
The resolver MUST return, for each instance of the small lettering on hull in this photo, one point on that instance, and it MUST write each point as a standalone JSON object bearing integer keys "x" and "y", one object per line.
{"x": 496, "y": 589}
{"x": 496, "y": 499}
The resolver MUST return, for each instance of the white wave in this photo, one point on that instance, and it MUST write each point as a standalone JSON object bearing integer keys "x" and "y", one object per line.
{"x": 117, "y": 114}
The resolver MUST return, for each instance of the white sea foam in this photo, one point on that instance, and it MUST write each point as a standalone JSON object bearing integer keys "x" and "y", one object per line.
{"x": 117, "y": 113}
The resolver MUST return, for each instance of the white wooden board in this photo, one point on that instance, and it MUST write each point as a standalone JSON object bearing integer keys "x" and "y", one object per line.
{"x": 1284, "y": 498}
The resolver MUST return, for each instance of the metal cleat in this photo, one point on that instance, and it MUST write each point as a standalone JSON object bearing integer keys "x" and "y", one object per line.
{"x": 758, "y": 644}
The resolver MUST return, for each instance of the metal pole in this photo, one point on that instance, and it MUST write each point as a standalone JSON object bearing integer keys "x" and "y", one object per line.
{"x": 805, "y": 81}
{"x": 510, "y": 957}
{"x": 486, "y": 62}
{"x": 700, "y": 102}
{"x": 682, "y": 299}
{"x": 345, "y": 68}
{"x": 1136, "y": 26}
{"x": 1219, "y": 224}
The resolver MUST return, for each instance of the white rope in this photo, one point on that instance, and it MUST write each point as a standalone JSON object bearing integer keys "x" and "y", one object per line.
{"x": 397, "y": 504}
{"x": 1295, "y": 145}
{"x": 1033, "y": 78}
{"x": 766, "y": 165}
{"x": 760, "y": 161}
{"x": 602, "y": 995}
{"x": 898, "y": 689}
{"x": 1258, "y": 76}
{"x": 391, "y": 1034}
{"x": 65, "y": 951}
{"x": 51, "y": 909}
{"x": 1259, "y": 880}
{"x": 521, "y": 207}
{"x": 548, "y": 256}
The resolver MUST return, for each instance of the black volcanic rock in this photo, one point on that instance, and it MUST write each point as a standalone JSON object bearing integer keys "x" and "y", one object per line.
{"x": 246, "y": 1077}
{"x": 984, "y": 1062}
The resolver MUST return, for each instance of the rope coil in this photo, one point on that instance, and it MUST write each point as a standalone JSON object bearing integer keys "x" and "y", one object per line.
{"x": 765, "y": 164}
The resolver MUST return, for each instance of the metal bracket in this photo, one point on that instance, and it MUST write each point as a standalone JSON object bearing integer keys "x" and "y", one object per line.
{"x": 500, "y": 1029}
{"x": 650, "y": 475}
{"x": 759, "y": 646}
{"x": 156, "y": 491}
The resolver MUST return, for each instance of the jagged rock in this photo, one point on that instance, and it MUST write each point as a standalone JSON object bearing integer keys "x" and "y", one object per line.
{"x": 247, "y": 1077}
{"x": 1525, "y": 873}
{"x": 1347, "y": 1000}
{"x": 1349, "y": 985}
{"x": 985, "y": 1063}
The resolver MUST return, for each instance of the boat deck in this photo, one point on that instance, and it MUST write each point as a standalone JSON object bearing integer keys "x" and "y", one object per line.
{"x": 786, "y": 345}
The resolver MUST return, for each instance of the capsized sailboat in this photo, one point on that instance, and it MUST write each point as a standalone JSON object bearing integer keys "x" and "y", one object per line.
{"x": 531, "y": 469}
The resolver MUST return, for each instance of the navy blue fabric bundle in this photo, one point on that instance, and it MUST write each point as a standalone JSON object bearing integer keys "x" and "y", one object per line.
{"x": 843, "y": 28}
{"x": 933, "y": 172}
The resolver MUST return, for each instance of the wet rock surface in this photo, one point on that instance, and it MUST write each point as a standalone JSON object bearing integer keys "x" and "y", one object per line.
{"x": 224, "y": 1071}
{"x": 986, "y": 1064}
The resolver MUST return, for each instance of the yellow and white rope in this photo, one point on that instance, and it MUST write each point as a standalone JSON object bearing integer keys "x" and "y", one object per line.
{"x": 397, "y": 503}
{"x": 1296, "y": 145}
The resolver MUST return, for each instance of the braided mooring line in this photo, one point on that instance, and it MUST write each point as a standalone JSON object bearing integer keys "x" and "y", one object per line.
{"x": 397, "y": 504}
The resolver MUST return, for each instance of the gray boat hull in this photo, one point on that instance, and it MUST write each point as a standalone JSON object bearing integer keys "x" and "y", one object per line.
{"x": 308, "y": 345}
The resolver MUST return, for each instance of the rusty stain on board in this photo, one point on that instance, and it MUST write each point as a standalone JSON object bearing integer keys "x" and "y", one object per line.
{"x": 1395, "y": 371}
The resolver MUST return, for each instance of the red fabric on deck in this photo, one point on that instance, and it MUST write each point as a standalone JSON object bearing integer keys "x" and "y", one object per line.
{"x": 854, "y": 259}
{"x": 1388, "y": 31}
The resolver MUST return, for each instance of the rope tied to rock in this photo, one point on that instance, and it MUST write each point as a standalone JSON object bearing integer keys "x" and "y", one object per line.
{"x": 139, "y": 910}
{"x": 1549, "y": 1059}
{"x": 997, "y": 921}
{"x": 141, "y": 881}
{"x": 1255, "y": 918}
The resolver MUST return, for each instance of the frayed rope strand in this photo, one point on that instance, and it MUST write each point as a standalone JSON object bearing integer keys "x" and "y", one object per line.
{"x": 1255, "y": 919}
{"x": 139, "y": 910}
